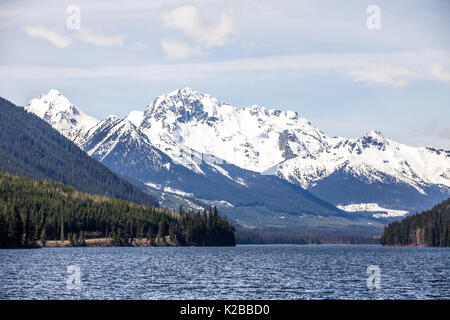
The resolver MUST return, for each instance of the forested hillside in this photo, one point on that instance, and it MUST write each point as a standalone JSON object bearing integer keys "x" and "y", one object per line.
{"x": 31, "y": 147}
{"x": 32, "y": 210}
{"x": 429, "y": 228}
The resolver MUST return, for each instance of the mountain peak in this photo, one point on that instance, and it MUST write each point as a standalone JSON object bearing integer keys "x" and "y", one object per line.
{"x": 180, "y": 129}
{"x": 188, "y": 90}
{"x": 57, "y": 110}
{"x": 373, "y": 138}
{"x": 374, "y": 134}
{"x": 53, "y": 92}
{"x": 135, "y": 117}
{"x": 55, "y": 99}
{"x": 183, "y": 92}
{"x": 111, "y": 117}
{"x": 182, "y": 104}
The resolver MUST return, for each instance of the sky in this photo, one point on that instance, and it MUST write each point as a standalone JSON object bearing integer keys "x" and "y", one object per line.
{"x": 347, "y": 66}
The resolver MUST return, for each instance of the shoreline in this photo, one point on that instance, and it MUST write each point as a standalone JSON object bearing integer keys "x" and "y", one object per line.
{"x": 101, "y": 242}
{"x": 105, "y": 242}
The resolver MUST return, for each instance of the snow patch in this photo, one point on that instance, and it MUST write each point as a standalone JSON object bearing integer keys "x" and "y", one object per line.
{"x": 179, "y": 192}
{"x": 136, "y": 117}
{"x": 373, "y": 207}
{"x": 154, "y": 185}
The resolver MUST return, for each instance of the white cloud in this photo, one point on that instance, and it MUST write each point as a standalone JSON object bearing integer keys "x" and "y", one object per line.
{"x": 98, "y": 38}
{"x": 180, "y": 49}
{"x": 54, "y": 37}
{"x": 85, "y": 34}
{"x": 343, "y": 64}
{"x": 391, "y": 75}
{"x": 438, "y": 72}
{"x": 188, "y": 19}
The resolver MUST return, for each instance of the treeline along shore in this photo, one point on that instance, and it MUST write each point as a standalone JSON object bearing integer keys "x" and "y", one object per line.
{"x": 36, "y": 213}
{"x": 430, "y": 228}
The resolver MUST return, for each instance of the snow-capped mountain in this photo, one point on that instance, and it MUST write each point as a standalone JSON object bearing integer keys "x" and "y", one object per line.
{"x": 372, "y": 156}
{"x": 373, "y": 169}
{"x": 174, "y": 168}
{"x": 196, "y": 137}
{"x": 283, "y": 143}
{"x": 59, "y": 112}
{"x": 253, "y": 138}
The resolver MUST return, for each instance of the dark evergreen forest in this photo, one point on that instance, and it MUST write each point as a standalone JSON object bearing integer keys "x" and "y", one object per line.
{"x": 429, "y": 228}
{"x": 34, "y": 211}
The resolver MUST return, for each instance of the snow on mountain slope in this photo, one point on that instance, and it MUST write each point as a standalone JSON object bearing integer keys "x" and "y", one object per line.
{"x": 130, "y": 152}
{"x": 61, "y": 114}
{"x": 136, "y": 117}
{"x": 84, "y": 130}
{"x": 373, "y": 207}
{"x": 254, "y": 138}
{"x": 283, "y": 143}
{"x": 193, "y": 131}
{"x": 108, "y": 133}
{"x": 371, "y": 157}
{"x": 121, "y": 146}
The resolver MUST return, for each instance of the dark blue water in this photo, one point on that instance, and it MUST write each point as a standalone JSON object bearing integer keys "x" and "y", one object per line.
{"x": 242, "y": 272}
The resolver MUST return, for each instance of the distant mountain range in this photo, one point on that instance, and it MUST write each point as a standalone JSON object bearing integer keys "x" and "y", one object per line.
{"x": 30, "y": 147}
{"x": 258, "y": 165}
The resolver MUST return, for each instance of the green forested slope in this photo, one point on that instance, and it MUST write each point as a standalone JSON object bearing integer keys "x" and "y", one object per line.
{"x": 429, "y": 228}
{"x": 33, "y": 210}
{"x": 30, "y": 147}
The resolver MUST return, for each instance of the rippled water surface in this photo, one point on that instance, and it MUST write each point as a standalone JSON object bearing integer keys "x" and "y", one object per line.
{"x": 242, "y": 272}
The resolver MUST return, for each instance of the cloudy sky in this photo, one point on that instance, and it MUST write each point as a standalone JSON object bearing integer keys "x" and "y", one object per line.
{"x": 319, "y": 58}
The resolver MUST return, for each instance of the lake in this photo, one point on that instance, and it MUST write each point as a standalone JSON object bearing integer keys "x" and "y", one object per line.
{"x": 241, "y": 272}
